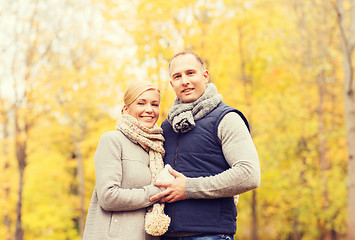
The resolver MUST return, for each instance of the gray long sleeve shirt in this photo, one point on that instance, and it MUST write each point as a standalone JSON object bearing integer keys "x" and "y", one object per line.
{"x": 239, "y": 151}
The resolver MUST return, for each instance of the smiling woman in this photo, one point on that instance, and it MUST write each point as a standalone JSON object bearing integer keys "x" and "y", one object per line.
{"x": 145, "y": 108}
{"x": 126, "y": 162}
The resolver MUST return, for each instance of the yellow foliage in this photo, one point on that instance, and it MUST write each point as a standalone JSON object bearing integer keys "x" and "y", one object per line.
{"x": 280, "y": 64}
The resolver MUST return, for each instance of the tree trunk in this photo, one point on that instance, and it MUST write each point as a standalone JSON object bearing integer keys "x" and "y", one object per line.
{"x": 348, "y": 44}
{"x": 19, "y": 230}
{"x": 326, "y": 235}
{"x": 6, "y": 219}
{"x": 350, "y": 130}
{"x": 255, "y": 233}
{"x": 247, "y": 84}
{"x": 21, "y": 146}
{"x": 350, "y": 122}
{"x": 295, "y": 234}
{"x": 81, "y": 187}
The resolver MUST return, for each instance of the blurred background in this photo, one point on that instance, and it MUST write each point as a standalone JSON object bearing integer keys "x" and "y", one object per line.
{"x": 286, "y": 64}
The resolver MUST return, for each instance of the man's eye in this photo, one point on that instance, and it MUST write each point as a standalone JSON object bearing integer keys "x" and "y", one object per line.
{"x": 177, "y": 77}
{"x": 155, "y": 104}
{"x": 190, "y": 73}
{"x": 140, "y": 103}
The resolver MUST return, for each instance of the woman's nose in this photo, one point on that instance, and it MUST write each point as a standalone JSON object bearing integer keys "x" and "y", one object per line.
{"x": 149, "y": 108}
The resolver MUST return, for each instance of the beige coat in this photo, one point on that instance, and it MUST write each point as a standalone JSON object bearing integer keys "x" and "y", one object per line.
{"x": 122, "y": 190}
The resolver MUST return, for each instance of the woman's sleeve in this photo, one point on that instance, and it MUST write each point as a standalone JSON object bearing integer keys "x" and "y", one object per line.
{"x": 108, "y": 172}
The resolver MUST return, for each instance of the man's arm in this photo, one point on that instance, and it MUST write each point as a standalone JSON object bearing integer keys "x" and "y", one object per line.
{"x": 244, "y": 175}
{"x": 240, "y": 153}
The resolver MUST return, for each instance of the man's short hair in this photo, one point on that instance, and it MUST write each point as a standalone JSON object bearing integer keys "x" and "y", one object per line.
{"x": 186, "y": 53}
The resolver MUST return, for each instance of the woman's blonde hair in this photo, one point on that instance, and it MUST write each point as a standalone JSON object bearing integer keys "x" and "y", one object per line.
{"x": 135, "y": 89}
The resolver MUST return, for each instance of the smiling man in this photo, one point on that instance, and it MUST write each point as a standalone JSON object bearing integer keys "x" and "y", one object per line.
{"x": 188, "y": 77}
{"x": 212, "y": 154}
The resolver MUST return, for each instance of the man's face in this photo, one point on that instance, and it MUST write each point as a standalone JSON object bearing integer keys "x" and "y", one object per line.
{"x": 188, "y": 79}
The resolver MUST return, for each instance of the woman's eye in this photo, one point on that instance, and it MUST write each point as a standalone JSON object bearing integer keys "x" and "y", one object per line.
{"x": 140, "y": 103}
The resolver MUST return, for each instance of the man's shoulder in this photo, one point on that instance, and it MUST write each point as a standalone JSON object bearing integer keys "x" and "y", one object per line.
{"x": 231, "y": 112}
{"x": 224, "y": 106}
{"x": 221, "y": 109}
{"x": 166, "y": 126}
{"x": 165, "y": 123}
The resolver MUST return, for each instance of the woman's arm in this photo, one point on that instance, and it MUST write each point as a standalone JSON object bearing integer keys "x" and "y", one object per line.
{"x": 108, "y": 171}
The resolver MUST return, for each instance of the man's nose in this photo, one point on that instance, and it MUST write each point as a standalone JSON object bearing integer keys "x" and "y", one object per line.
{"x": 184, "y": 79}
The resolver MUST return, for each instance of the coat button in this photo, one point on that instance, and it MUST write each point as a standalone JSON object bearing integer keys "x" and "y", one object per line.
{"x": 115, "y": 220}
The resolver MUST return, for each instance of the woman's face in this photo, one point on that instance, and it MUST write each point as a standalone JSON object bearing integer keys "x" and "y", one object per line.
{"x": 145, "y": 108}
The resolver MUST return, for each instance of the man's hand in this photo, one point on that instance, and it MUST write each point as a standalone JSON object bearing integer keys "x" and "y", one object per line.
{"x": 175, "y": 190}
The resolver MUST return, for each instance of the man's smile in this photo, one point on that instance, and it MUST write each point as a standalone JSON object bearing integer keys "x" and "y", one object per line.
{"x": 187, "y": 90}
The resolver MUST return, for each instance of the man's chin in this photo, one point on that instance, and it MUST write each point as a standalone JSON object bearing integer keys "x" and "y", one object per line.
{"x": 188, "y": 99}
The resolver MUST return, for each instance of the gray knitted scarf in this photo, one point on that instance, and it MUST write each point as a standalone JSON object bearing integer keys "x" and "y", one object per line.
{"x": 182, "y": 116}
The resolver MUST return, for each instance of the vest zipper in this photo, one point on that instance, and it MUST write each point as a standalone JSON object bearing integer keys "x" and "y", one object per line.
{"x": 176, "y": 151}
{"x": 177, "y": 148}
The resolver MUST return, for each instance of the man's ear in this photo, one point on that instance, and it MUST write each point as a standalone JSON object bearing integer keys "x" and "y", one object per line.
{"x": 206, "y": 75}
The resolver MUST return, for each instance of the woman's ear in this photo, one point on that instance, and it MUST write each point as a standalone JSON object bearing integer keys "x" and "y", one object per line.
{"x": 124, "y": 109}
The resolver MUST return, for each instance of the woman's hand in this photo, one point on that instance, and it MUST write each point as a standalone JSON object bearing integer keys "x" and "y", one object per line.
{"x": 174, "y": 190}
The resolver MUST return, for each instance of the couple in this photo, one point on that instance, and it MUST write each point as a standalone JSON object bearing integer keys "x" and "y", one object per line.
{"x": 206, "y": 142}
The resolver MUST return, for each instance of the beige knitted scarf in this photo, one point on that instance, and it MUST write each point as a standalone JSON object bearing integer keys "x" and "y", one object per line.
{"x": 151, "y": 140}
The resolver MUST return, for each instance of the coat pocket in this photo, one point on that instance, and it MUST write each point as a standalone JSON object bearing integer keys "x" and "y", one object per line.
{"x": 115, "y": 224}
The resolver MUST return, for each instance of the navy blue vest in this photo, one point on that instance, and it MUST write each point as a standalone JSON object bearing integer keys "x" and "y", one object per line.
{"x": 198, "y": 153}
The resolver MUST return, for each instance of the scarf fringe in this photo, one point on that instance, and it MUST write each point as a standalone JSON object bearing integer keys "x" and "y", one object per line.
{"x": 151, "y": 140}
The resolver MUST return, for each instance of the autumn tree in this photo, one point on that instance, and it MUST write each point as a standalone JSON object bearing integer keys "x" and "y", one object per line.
{"x": 5, "y": 165}
{"x": 346, "y": 22}
{"x": 65, "y": 64}
{"x": 34, "y": 37}
{"x": 29, "y": 49}
{"x": 79, "y": 89}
